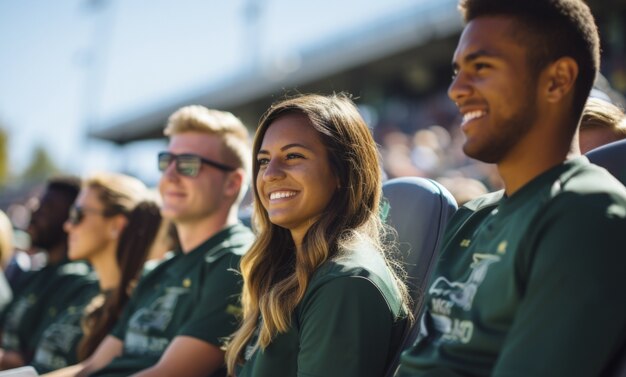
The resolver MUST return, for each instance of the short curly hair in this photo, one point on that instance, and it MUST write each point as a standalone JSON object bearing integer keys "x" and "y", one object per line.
{"x": 553, "y": 29}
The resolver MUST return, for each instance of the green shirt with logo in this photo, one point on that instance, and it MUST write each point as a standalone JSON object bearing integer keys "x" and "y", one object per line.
{"x": 57, "y": 347}
{"x": 43, "y": 293}
{"x": 529, "y": 285}
{"x": 349, "y": 324}
{"x": 194, "y": 294}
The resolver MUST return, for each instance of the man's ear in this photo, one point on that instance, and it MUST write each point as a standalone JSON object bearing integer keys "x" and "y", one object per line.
{"x": 234, "y": 183}
{"x": 560, "y": 78}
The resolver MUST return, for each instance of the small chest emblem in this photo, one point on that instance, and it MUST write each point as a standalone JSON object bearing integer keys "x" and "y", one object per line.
{"x": 502, "y": 247}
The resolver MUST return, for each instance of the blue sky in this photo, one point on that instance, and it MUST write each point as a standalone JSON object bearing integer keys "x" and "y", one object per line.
{"x": 65, "y": 61}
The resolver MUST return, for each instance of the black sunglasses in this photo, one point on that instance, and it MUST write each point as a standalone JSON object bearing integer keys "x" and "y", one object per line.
{"x": 77, "y": 214}
{"x": 188, "y": 164}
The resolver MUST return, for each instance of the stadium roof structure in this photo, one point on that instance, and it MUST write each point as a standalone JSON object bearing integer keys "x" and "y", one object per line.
{"x": 406, "y": 50}
{"x": 406, "y": 54}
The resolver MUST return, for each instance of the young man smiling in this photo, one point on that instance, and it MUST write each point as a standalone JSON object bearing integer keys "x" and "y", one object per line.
{"x": 182, "y": 310}
{"x": 529, "y": 281}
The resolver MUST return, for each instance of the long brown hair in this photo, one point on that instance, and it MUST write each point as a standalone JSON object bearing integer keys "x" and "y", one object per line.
{"x": 125, "y": 195}
{"x": 275, "y": 276}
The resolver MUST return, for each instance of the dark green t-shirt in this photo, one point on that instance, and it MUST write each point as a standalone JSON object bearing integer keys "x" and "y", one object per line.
{"x": 42, "y": 293}
{"x": 349, "y": 323}
{"x": 57, "y": 347}
{"x": 529, "y": 285}
{"x": 195, "y": 294}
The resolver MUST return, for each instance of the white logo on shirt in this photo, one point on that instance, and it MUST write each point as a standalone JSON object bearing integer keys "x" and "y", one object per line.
{"x": 446, "y": 294}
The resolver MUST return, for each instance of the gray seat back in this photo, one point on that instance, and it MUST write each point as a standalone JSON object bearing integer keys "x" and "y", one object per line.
{"x": 617, "y": 367}
{"x": 612, "y": 157}
{"x": 419, "y": 210}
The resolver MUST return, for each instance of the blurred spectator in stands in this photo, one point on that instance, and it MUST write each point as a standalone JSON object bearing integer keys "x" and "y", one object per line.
{"x": 112, "y": 225}
{"x": 463, "y": 189}
{"x": 6, "y": 251}
{"x": 320, "y": 297}
{"x": 25, "y": 257}
{"x": 432, "y": 152}
{"x": 426, "y": 152}
{"x": 602, "y": 123}
{"x": 43, "y": 291}
{"x": 396, "y": 155}
{"x": 6, "y": 240}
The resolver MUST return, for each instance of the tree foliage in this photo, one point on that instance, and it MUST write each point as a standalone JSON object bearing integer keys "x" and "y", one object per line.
{"x": 41, "y": 166}
{"x": 4, "y": 156}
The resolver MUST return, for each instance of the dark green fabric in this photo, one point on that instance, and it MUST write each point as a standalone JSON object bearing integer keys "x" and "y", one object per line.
{"x": 349, "y": 323}
{"x": 195, "y": 294}
{"x": 530, "y": 285}
{"x": 57, "y": 347}
{"x": 42, "y": 293}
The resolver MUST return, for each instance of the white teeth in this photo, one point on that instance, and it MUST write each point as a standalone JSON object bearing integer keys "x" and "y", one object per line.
{"x": 473, "y": 115}
{"x": 281, "y": 194}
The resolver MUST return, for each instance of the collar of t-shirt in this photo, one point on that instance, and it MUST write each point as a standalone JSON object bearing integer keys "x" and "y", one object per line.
{"x": 537, "y": 188}
{"x": 229, "y": 240}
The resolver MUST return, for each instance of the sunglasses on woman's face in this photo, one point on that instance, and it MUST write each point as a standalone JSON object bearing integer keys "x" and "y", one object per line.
{"x": 188, "y": 165}
{"x": 77, "y": 214}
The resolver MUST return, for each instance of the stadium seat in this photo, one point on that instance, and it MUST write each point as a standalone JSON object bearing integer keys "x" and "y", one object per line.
{"x": 612, "y": 157}
{"x": 245, "y": 216}
{"x": 617, "y": 368}
{"x": 418, "y": 209}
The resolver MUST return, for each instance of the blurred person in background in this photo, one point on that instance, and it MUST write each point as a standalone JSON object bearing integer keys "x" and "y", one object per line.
{"x": 6, "y": 240}
{"x": 26, "y": 256}
{"x": 181, "y": 311}
{"x": 463, "y": 189}
{"x": 320, "y": 295}
{"x": 112, "y": 225}
{"x": 396, "y": 156}
{"x": 426, "y": 152}
{"x": 50, "y": 288}
{"x": 6, "y": 252}
{"x": 602, "y": 123}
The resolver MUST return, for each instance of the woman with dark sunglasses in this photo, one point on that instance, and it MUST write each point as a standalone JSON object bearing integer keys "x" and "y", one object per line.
{"x": 112, "y": 225}
{"x": 320, "y": 295}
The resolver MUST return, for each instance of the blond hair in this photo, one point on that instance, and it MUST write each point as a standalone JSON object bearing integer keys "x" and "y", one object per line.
{"x": 599, "y": 113}
{"x": 120, "y": 195}
{"x": 6, "y": 239}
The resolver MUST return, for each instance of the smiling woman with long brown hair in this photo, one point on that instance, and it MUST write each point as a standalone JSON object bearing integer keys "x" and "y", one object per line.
{"x": 320, "y": 296}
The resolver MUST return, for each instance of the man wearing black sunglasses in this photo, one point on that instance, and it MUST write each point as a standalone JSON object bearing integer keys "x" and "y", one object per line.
{"x": 40, "y": 293}
{"x": 181, "y": 312}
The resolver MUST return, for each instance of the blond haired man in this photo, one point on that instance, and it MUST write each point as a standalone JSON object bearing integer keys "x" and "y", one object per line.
{"x": 182, "y": 310}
